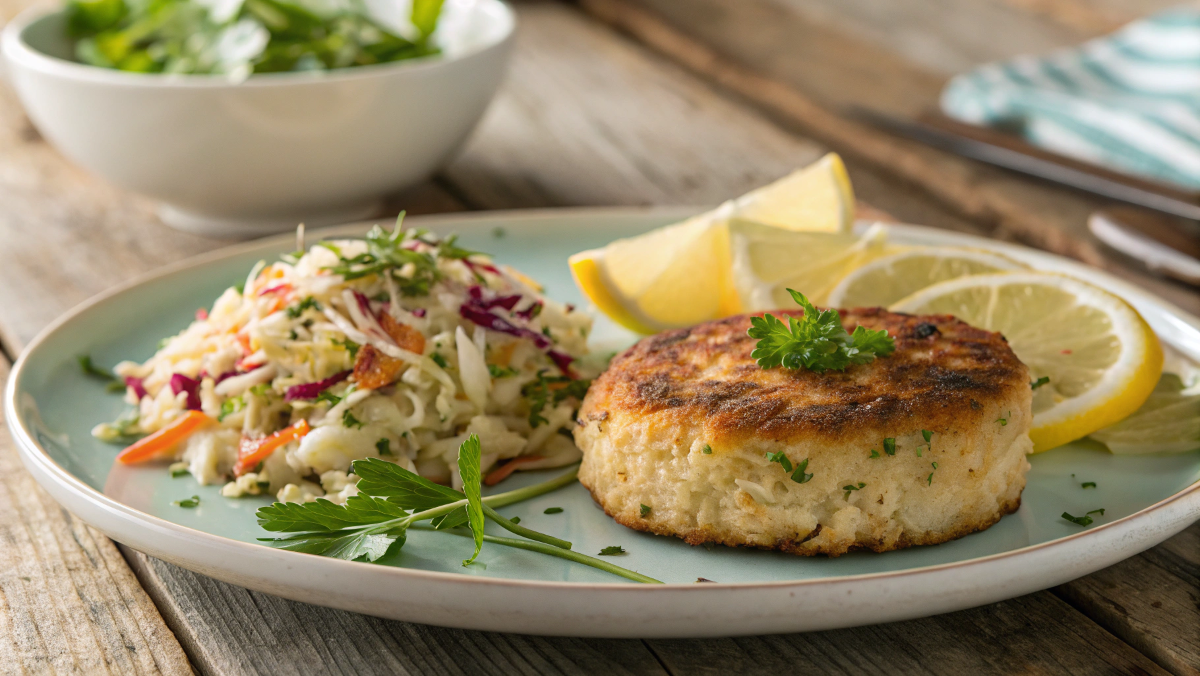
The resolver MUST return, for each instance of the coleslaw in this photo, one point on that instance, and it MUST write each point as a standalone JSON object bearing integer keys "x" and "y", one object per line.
{"x": 397, "y": 346}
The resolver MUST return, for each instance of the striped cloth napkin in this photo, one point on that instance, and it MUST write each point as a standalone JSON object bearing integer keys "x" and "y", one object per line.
{"x": 1129, "y": 101}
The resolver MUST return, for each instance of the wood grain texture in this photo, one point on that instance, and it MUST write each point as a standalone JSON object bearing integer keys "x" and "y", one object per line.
{"x": 589, "y": 118}
{"x": 231, "y": 631}
{"x": 950, "y": 36}
{"x": 1151, "y": 601}
{"x": 1006, "y": 205}
{"x": 68, "y": 602}
{"x": 1034, "y": 634}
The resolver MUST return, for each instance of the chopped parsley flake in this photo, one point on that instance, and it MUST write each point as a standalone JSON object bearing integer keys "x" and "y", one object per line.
{"x": 384, "y": 446}
{"x": 1097, "y": 511}
{"x": 349, "y": 420}
{"x": 929, "y": 481}
{"x": 515, "y": 519}
{"x": 1088, "y": 484}
{"x": 817, "y": 341}
{"x": 851, "y": 487}
{"x": 439, "y": 360}
{"x": 298, "y": 309}
{"x": 874, "y": 453}
{"x": 615, "y": 550}
{"x": 1084, "y": 520}
{"x": 889, "y": 446}
{"x": 1039, "y": 382}
{"x": 551, "y": 390}
{"x": 328, "y": 397}
{"x": 501, "y": 371}
{"x": 645, "y": 511}
{"x": 348, "y": 345}
{"x": 707, "y": 450}
{"x": 553, "y": 510}
{"x": 1003, "y": 421}
{"x": 178, "y": 469}
{"x": 187, "y": 503}
{"x": 797, "y": 473}
{"x": 90, "y": 369}
{"x": 230, "y": 406}
{"x": 926, "y": 435}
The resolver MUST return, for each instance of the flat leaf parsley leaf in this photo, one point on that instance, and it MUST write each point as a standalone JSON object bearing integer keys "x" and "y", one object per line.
{"x": 817, "y": 341}
{"x": 468, "y": 468}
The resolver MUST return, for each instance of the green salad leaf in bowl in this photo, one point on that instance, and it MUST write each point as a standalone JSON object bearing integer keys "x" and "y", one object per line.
{"x": 241, "y": 37}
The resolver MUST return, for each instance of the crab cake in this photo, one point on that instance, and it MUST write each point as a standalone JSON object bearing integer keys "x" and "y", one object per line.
{"x": 919, "y": 447}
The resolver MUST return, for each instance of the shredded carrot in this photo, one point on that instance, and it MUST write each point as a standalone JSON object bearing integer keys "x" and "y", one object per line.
{"x": 157, "y": 444}
{"x": 503, "y": 471}
{"x": 253, "y": 452}
{"x": 244, "y": 340}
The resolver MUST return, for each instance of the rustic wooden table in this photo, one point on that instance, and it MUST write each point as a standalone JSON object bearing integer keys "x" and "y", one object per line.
{"x": 608, "y": 102}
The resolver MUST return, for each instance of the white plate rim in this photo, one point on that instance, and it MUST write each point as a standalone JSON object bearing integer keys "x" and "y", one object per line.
{"x": 1123, "y": 537}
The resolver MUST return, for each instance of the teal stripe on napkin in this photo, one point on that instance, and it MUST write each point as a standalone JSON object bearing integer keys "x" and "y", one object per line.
{"x": 1130, "y": 100}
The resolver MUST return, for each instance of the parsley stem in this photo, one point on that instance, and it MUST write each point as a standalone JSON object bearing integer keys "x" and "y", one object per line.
{"x": 523, "y": 531}
{"x": 503, "y": 500}
{"x": 560, "y": 553}
{"x": 522, "y": 494}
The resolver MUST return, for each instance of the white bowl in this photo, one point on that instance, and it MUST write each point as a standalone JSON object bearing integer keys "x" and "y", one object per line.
{"x": 242, "y": 159}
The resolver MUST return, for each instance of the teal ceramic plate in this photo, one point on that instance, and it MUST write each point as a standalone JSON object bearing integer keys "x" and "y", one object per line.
{"x": 51, "y": 408}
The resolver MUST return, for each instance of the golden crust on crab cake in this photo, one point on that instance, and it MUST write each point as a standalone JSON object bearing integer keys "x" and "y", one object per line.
{"x": 682, "y": 423}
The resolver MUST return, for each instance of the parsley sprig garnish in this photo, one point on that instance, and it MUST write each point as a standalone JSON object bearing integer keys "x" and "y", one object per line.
{"x": 388, "y": 252}
{"x": 817, "y": 341}
{"x": 392, "y": 500}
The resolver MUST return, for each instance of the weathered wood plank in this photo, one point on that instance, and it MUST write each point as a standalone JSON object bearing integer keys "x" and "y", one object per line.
{"x": 1035, "y": 634}
{"x": 1151, "y": 601}
{"x": 229, "y": 630}
{"x": 949, "y": 36}
{"x": 1006, "y": 205}
{"x": 587, "y": 118}
{"x": 68, "y": 602}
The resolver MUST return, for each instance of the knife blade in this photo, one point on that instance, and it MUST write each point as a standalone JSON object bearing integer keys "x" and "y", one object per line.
{"x": 1015, "y": 155}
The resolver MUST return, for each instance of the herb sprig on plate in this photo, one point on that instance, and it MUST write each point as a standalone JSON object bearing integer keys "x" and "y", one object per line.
{"x": 817, "y": 341}
{"x": 393, "y": 500}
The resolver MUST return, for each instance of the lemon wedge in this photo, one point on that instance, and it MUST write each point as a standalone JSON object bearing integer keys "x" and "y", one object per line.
{"x": 767, "y": 261}
{"x": 678, "y": 275}
{"x": 1100, "y": 356}
{"x": 886, "y": 280}
{"x": 669, "y": 277}
{"x": 817, "y": 198}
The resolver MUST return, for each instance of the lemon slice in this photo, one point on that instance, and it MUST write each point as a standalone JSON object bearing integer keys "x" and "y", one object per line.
{"x": 768, "y": 261}
{"x": 886, "y": 280}
{"x": 1169, "y": 422}
{"x": 678, "y": 275}
{"x": 817, "y": 198}
{"x": 1101, "y": 357}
